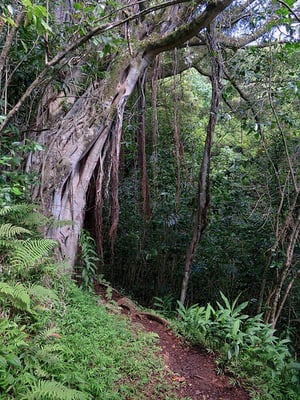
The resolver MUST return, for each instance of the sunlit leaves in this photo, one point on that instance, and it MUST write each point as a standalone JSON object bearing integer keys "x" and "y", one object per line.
{"x": 37, "y": 16}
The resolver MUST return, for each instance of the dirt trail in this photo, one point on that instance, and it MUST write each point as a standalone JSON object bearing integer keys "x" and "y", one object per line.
{"x": 192, "y": 369}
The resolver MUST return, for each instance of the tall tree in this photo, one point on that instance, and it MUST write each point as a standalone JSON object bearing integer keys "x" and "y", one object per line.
{"x": 80, "y": 125}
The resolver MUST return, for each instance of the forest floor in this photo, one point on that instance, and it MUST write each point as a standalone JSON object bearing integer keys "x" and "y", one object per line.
{"x": 192, "y": 371}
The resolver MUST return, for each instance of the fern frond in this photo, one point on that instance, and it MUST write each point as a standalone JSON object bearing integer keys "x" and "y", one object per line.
{"x": 7, "y": 244}
{"x": 89, "y": 259}
{"x": 33, "y": 219}
{"x": 31, "y": 251}
{"x": 9, "y": 231}
{"x": 16, "y": 209}
{"x": 42, "y": 295}
{"x": 17, "y": 294}
{"x": 51, "y": 333}
{"x": 24, "y": 215}
{"x": 11, "y": 243}
{"x": 51, "y": 390}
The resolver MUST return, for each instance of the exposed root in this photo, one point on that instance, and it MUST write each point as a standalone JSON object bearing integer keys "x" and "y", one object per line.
{"x": 153, "y": 317}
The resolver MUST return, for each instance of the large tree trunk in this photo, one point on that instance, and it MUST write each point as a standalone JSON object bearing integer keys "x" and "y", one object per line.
{"x": 86, "y": 136}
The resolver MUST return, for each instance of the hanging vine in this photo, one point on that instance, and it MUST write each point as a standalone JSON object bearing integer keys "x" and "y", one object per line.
{"x": 203, "y": 197}
{"x": 155, "y": 131}
{"x": 177, "y": 127}
{"x": 142, "y": 149}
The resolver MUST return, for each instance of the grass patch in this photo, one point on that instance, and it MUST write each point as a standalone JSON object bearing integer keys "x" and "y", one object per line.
{"x": 79, "y": 351}
{"x": 112, "y": 362}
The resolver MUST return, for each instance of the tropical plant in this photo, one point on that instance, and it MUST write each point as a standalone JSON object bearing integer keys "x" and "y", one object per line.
{"x": 246, "y": 345}
{"x": 89, "y": 260}
{"x": 12, "y": 344}
{"x": 165, "y": 305}
{"x": 51, "y": 390}
{"x": 17, "y": 295}
{"x": 21, "y": 253}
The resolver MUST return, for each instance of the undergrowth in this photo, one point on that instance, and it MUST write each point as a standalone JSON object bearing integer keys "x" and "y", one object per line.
{"x": 103, "y": 356}
{"x": 77, "y": 351}
{"x": 56, "y": 342}
{"x": 246, "y": 347}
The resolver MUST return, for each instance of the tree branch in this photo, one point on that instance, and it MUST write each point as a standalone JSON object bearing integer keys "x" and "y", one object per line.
{"x": 237, "y": 43}
{"x": 290, "y": 9}
{"x": 60, "y": 56}
{"x": 187, "y": 31}
{"x": 9, "y": 39}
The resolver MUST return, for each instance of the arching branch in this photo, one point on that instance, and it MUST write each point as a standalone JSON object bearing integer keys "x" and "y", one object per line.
{"x": 187, "y": 31}
{"x": 78, "y": 43}
{"x": 9, "y": 40}
{"x": 290, "y": 9}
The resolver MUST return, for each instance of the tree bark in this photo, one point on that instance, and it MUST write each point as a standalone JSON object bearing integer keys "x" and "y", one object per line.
{"x": 86, "y": 137}
{"x": 9, "y": 39}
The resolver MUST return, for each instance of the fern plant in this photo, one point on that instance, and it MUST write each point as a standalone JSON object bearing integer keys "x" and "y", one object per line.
{"x": 16, "y": 294}
{"x": 28, "y": 252}
{"x": 42, "y": 296}
{"x": 165, "y": 305}
{"x": 21, "y": 252}
{"x": 23, "y": 214}
{"x": 28, "y": 299}
{"x": 17, "y": 254}
{"x": 8, "y": 231}
{"x": 13, "y": 341}
{"x": 51, "y": 390}
{"x": 89, "y": 260}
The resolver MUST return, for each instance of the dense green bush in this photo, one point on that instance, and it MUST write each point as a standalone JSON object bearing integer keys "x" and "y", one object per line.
{"x": 245, "y": 345}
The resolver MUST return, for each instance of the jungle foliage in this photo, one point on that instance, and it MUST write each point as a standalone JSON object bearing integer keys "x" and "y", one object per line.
{"x": 47, "y": 350}
{"x": 250, "y": 246}
{"x": 247, "y": 347}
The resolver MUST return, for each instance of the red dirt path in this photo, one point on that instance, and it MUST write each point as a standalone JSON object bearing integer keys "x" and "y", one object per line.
{"x": 191, "y": 369}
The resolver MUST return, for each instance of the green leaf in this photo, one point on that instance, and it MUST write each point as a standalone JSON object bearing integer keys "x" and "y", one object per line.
{"x": 31, "y": 251}
{"x": 40, "y": 11}
{"x": 3, "y": 362}
{"x": 77, "y": 6}
{"x": 9, "y": 20}
{"x": 226, "y": 301}
{"x": 26, "y": 3}
{"x": 46, "y": 26}
{"x": 15, "y": 190}
{"x": 9, "y": 231}
{"x": 236, "y": 327}
{"x": 241, "y": 307}
{"x": 294, "y": 365}
{"x": 13, "y": 360}
{"x": 54, "y": 390}
{"x": 17, "y": 294}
